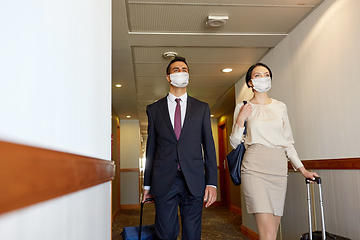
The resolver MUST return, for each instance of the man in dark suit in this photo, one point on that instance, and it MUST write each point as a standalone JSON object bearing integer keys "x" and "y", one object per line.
{"x": 181, "y": 168}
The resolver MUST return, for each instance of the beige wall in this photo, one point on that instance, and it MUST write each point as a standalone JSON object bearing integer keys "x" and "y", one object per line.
{"x": 214, "y": 129}
{"x": 315, "y": 74}
{"x": 130, "y": 149}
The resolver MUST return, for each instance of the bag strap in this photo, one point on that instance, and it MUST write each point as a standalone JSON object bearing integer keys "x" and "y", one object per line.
{"x": 245, "y": 120}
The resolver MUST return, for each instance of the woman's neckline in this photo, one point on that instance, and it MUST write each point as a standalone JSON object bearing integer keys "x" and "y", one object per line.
{"x": 271, "y": 101}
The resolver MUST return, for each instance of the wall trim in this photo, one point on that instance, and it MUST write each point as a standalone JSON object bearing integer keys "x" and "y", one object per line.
{"x": 130, "y": 170}
{"x": 130, "y": 206}
{"x": 113, "y": 216}
{"x": 215, "y": 204}
{"x": 30, "y": 175}
{"x": 235, "y": 209}
{"x": 340, "y": 163}
{"x": 249, "y": 233}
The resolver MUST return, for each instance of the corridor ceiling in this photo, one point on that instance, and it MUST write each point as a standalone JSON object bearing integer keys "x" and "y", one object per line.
{"x": 143, "y": 30}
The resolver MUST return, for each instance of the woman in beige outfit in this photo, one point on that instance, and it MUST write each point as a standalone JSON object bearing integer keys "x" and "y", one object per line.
{"x": 270, "y": 144}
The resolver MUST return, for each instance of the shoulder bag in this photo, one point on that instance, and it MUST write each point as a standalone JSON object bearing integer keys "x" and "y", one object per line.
{"x": 234, "y": 160}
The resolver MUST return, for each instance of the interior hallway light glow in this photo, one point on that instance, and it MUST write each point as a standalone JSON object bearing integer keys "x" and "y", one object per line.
{"x": 212, "y": 115}
{"x": 227, "y": 70}
{"x": 128, "y": 116}
{"x": 118, "y": 85}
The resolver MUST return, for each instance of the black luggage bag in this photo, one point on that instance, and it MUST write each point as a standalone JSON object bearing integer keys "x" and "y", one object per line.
{"x": 318, "y": 235}
{"x": 139, "y": 232}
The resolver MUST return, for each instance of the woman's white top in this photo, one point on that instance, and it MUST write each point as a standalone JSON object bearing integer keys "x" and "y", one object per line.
{"x": 269, "y": 126}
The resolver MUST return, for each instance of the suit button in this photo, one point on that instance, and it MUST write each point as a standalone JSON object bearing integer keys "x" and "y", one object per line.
{"x": 176, "y": 160}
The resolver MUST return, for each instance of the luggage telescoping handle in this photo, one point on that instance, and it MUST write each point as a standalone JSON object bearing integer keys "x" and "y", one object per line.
{"x": 318, "y": 181}
{"x": 141, "y": 213}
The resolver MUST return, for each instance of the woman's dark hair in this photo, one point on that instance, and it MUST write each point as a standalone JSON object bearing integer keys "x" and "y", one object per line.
{"x": 249, "y": 72}
{"x": 176, "y": 59}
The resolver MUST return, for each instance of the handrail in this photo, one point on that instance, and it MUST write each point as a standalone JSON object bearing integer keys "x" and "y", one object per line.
{"x": 341, "y": 163}
{"x": 29, "y": 175}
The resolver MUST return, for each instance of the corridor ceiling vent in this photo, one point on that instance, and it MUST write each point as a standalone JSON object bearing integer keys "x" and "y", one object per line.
{"x": 216, "y": 21}
{"x": 227, "y": 70}
{"x": 170, "y": 55}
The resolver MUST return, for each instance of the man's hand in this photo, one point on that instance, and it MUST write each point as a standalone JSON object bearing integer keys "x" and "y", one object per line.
{"x": 146, "y": 195}
{"x": 210, "y": 195}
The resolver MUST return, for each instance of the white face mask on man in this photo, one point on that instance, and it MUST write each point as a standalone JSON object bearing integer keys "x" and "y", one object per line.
{"x": 261, "y": 84}
{"x": 179, "y": 79}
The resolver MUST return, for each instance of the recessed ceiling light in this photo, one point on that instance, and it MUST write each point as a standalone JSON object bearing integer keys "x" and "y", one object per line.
{"x": 128, "y": 116}
{"x": 170, "y": 54}
{"x": 212, "y": 115}
{"x": 118, "y": 85}
{"x": 216, "y": 21}
{"x": 227, "y": 70}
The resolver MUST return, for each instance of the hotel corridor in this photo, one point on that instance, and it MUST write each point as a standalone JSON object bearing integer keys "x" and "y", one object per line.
{"x": 217, "y": 222}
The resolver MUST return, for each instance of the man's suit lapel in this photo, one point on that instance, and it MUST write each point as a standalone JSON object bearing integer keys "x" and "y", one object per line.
{"x": 189, "y": 111}
{"x": 164, "y": 109}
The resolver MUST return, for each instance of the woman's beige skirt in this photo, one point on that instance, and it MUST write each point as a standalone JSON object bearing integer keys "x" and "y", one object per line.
{"x": 264, "y": 179}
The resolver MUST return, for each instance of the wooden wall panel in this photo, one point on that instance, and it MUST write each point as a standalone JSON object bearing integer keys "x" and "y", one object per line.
{"x": 30, "y": 175}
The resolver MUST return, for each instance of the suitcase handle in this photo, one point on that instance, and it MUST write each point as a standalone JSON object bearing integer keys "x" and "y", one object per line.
{"x": 141, "y": 213}
{"x": 317, "y": 180}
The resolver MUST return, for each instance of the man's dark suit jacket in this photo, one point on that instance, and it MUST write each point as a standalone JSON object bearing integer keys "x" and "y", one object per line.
{"x": 164, "y": 151}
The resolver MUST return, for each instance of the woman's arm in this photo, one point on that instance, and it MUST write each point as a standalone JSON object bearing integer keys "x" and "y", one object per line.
{"x": 308, "y": 174}
{"x": 240, "y": 114}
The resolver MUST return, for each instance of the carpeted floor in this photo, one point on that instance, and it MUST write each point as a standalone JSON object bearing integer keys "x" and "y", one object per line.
{"x": 217, "y": 222}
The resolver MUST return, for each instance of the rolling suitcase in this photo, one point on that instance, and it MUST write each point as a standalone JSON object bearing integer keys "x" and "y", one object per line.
{"x": 139, "y": 232}
{"x": 318, "y": 235}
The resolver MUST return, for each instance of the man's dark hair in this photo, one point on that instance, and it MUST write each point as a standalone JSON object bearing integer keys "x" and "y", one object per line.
{"x": 249, "y": 72}
{"x": 176, "y": 59}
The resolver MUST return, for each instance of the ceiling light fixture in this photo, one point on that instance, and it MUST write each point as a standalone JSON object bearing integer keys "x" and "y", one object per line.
{"x": 128, "y": 116}
{"x": 227, "y": 70}
{"x": 170, "y": 54}
{"x": 216, "y": 21}
{"x": 212, "y": 115}
{"x": 118, "y": 85}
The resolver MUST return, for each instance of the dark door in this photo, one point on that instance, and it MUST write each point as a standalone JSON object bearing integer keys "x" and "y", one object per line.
{"x": 223, "y": 168}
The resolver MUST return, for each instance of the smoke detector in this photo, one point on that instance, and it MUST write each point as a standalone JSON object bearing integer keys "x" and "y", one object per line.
{"x": 216, "y": 21}
{"x": 170, "y": 54}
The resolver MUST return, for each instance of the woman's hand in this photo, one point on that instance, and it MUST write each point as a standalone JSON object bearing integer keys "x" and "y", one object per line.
{"x": 308, "y": 174}
{"x": 244, "y": 113}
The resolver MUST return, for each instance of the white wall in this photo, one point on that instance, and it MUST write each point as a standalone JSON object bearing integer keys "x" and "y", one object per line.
{"x": 130, "y": 153}
{"x": 315, "y": 74}
{"x": 81, "y": 215}
{"x": 56, "y": 93}
{"x": 55, "y": 74}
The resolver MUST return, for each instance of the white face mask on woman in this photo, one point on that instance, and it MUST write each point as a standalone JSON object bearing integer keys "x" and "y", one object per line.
{"x": 179, "y": 79}
{"x": 261, "y": 84}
